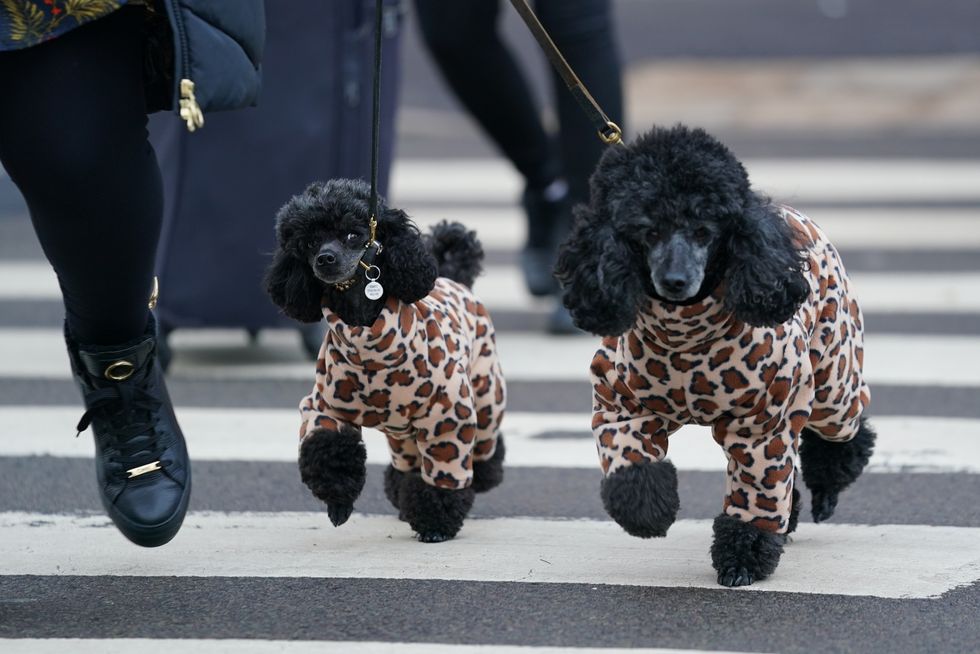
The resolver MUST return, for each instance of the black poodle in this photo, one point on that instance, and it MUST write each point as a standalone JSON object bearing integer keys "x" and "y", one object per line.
{"x": 724, "y": 309}
{"x": 409, "y": 351}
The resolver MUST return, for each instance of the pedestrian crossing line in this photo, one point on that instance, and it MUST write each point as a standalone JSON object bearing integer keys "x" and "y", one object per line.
{"x": 870, "y": 228}
{"x": 891, "y": 561}
{"x": 240, "y": 646}
{"x": 556, "y": 440}
{"x": 213, "y": 354}
{"x": 416, "y": 180}
{"x": 502, "y": 288}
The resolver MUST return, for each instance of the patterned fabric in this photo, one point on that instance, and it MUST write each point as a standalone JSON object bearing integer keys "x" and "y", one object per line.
{"x": 426, "y": 374}
{"x": 756, "y": 387}
{"x": 24, "y": 23}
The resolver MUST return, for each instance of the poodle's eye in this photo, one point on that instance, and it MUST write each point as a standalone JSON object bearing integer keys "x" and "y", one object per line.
{"x": 313, "y": 244}
{"x": 653, "y": 234}
{"x": 702, "y": 233}
{"x": 351, "y": 237}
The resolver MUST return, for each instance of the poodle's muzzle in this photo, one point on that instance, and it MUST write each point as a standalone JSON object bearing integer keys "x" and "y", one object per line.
{"x": 334, "y": 262}
{"x": 677, "y": 267}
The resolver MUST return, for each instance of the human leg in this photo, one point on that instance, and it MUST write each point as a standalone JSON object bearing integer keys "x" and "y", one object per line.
{"x": 73, "y": 139}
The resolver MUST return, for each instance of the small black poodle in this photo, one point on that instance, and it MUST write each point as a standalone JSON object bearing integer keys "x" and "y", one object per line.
{"x": 410, "y": 351}
{"x": 719, "y": 308}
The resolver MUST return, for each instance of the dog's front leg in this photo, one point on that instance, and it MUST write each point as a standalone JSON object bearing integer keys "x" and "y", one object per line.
{"x": 436, "y": 499}
{"x": 749, "y": 535}
{"x": 332, "y": 465}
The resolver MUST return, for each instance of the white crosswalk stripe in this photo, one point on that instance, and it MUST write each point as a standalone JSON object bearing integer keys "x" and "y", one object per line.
{"x": 226, "y": 354}
{"x": 826, "y": 559}
{"x": 562, "y": 440}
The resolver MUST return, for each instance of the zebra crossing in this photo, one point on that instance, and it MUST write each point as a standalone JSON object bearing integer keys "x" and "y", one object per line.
{"x": 538, "y": 567}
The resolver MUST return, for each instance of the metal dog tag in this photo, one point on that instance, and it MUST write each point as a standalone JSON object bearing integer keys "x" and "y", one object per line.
{"x": 373, "y": 290}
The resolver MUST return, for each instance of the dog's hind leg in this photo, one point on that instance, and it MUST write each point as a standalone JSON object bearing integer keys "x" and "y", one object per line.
{"x": 831, "y": 466}
{"x": 488, "y": 472}
{"x": 332, "y": 465}
{"x": 405, "y": 458}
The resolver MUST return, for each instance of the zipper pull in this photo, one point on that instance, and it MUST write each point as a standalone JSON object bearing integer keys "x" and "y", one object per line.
{"x": 189, "y": 109}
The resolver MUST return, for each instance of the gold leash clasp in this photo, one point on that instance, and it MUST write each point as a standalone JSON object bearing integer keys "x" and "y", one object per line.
{"x": 612, "y": 134}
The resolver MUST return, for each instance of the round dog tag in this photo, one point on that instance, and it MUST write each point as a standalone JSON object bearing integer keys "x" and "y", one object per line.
{"x": 373, "y": 290}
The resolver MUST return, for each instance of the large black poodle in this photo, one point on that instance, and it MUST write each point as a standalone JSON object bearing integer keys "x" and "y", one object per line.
{"x": 722, "y": 309}
{"x": 410, "y": 351}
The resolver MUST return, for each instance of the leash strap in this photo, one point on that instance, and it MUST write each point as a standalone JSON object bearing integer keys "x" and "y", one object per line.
{"x": 376, "y": 116}
{"x": 609, "y": 132}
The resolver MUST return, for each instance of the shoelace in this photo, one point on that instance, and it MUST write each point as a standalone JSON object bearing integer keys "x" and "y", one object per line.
{"x": 131, "y": 413}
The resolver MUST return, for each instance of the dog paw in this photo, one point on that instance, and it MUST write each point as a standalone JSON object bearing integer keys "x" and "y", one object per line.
{"x": 434, "y": 537}
{"x": 822, "y": 504}
{"x": 742, "y": 553}
{"x": 733, "y": 577}
{"x": 339, "y": 513}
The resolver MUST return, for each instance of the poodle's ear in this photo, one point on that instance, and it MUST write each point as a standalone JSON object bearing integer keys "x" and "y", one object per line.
{"x": 765, "y": 277}
{"x": 601, "y": 280}
{"x": 292, "y": 286}
{"x": 408, "y": 269}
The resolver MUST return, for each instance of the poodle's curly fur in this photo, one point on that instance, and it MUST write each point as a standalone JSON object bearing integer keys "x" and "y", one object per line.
{"x": 642, "y": 499}
{"x": 672, "y": 219}
{"x": 604, "y": 271}
{"x": 323, "y": 235}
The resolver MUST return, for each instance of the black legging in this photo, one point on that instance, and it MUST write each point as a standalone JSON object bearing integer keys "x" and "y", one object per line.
{"x": 73, "y": 139}
{"x": 463, "y": 40}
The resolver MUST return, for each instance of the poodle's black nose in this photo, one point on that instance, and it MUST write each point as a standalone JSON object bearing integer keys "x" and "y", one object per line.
{"x": 674, "y": 283}
{"x": 325, "y": 258}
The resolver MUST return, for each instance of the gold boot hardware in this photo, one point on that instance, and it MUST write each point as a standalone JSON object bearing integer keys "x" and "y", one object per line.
{"x": 120, "y": 370}
{"x": 189, "y": 109}
{"x": 154, "y": 294}
{"x": 142, "y": 470}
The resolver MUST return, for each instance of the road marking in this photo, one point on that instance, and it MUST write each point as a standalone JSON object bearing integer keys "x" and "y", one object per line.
{"x": 896, "y": 561}
{"x": 557, "y": 440}
{"x": 236, "y": 646}
{"x": 502, "y": 288}
{"x": 880, "y": 229}
{"x": 417, "y": 180}
{"x": 225, "y": 354}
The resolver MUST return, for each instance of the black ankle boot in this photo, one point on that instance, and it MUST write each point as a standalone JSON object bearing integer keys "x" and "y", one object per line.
{"x": 141, "y": 461}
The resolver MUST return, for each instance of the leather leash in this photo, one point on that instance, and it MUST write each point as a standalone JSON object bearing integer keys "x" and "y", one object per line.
{"x": 609, "y": 132}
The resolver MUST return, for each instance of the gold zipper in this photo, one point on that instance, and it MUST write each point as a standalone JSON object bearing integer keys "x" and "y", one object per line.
{"x": 189, "y": 109}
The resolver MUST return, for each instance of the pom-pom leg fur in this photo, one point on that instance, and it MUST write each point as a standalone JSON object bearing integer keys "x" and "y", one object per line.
{"x": 830, "y": 467}
{"x": 741, "y": 553}
{"x": 331, "y": 464}
{"x": 436, "y": 514}
{"x": 642, "y": 498}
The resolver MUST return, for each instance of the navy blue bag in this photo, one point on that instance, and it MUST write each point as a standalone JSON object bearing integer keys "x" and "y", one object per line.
{"x": 224, "y": 183}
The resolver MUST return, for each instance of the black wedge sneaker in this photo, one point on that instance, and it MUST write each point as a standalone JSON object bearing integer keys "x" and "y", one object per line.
{"x": 141, "y": 462}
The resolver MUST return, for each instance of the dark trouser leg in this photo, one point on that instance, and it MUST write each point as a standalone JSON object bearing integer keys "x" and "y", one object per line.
{"x": 73, "y": 139}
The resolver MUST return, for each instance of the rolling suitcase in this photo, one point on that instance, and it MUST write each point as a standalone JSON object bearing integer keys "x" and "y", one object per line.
{"x": 224, "y": 183}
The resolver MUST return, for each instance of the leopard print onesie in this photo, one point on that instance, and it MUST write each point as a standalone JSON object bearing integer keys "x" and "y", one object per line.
{"x": 756, "y": 387}
{"x": 426, "y": 374}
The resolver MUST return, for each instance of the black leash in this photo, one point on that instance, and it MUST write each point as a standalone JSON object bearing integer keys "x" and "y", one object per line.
{"x": 376, "y": 115}
{"x": 608, "y": 131}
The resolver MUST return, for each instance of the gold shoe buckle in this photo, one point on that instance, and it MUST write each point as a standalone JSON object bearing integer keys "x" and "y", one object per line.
{"x": 120, "y": 371}
{"x": 142, "y": 470}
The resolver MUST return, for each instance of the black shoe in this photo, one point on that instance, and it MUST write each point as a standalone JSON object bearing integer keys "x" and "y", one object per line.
{"x": 141, "y": 461}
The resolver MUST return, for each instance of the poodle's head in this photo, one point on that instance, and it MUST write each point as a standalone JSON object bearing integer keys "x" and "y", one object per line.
{"x": 324, "y": 236}
{"x": 671, "y": 217}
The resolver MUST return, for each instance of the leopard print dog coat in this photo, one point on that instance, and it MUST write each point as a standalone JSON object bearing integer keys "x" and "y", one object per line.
{"x": 426, "y": 374}
{"x": 756, "y": 387}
